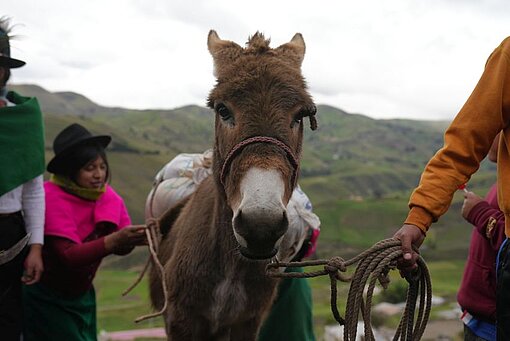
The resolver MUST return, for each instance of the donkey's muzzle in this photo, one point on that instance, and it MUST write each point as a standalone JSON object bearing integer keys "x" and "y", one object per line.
{"x": 259, "y": 233}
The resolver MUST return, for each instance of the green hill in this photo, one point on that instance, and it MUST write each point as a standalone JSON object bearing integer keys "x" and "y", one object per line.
{"x": 358, "y": 171}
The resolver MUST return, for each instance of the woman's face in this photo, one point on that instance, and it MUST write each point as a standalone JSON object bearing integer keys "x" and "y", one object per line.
{"x": 93, "y": 174}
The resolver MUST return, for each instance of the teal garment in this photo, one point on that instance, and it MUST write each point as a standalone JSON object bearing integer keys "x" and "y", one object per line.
{"x": 21, "y": 142}
{"x": 290, "y": 317}
{"x": 47, "y": 316}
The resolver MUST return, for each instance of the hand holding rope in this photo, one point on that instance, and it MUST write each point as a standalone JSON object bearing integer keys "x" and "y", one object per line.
{"x": 374, "y": 265}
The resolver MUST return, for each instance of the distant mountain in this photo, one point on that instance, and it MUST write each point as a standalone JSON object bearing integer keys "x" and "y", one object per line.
{"x": 343, "y": 140}
{"x": 61, "y": 103}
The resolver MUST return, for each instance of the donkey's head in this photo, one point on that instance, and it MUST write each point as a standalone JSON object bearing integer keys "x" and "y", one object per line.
{"x": 260, "y": 100}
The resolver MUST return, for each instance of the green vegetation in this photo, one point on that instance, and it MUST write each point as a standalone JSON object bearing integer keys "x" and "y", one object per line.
{"x": 118, "y": 313}
{"x": 357, "y": 171}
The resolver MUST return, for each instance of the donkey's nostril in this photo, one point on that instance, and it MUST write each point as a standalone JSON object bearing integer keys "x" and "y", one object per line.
{"x": 246, "y": 252}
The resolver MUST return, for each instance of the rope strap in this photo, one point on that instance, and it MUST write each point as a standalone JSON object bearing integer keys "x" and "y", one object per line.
{"x": 9, "y": 254}
{"x": 374, "y": 265}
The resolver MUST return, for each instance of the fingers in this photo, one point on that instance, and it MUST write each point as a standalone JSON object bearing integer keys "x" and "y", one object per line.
{"x": 470, "y": 200}
{"x": 33, "y": 265}
{"x": 32, "y": 275}
{"x": 471, "y": 196}
{"x": 32, "y": 280}
{"x": 408, "y": 262}
{"x": 407, "y": 250}
{"x": 131, "y": 236}
{"x": 27, "y": 277}
{"x": 409, "y": 235}
{"x": 135, "y": 231}
{"x": 137, "y": 236}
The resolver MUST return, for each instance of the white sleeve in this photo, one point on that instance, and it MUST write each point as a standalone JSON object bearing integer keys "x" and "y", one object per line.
{"x": 33, "y": 206}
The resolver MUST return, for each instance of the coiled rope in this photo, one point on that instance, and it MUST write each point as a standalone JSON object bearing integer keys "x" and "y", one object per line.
{"x": 374, "y": 265}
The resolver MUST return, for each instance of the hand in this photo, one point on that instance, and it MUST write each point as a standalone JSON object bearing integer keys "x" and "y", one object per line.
{"x": 123, "y": 250}
{"x": 124, "y": 239}
{"x": 33, "y": 265}
{"x": 409, "y": 235}
{"x": 470, "y": 201}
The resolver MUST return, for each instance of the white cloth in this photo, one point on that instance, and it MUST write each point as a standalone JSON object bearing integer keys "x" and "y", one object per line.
{"x": 3, "y": 94}
{"x": 28, "y": 198}
{"x": 176, "y": 180}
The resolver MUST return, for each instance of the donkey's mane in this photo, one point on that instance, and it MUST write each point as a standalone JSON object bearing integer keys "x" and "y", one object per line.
{"x": 257, "y": 44}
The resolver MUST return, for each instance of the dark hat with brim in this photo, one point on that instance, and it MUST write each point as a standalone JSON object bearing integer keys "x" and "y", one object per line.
{"x": 69, "y": 140}
{"x": 9, "y": 62}
{"x": 5, "y": 46}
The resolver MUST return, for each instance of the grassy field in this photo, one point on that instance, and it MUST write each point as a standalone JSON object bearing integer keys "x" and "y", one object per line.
{"x": 348, "y": 227}
{"x": 118, "y": 313}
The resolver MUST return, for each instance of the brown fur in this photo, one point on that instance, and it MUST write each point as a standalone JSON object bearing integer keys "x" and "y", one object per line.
{"x": 215, "y": 293}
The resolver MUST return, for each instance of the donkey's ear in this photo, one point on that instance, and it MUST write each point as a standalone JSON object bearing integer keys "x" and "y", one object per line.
{"x": 224, "y": 52}
{"x": 294, "y": 50}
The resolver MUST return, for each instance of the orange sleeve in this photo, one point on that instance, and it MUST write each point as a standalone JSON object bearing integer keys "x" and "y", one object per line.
{"x": 466, "y": 141}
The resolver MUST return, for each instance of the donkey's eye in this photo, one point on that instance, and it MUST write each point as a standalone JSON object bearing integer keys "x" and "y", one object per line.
{"x": 296, "y": 120}
{"x": 223, "y": 111}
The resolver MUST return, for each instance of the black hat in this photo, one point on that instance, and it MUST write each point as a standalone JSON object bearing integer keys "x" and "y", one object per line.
{"x": 68, "y": 140}
{"x": 5, "y": 47}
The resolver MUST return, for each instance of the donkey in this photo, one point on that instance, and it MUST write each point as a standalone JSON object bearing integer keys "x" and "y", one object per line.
{"x": 217, "y": 242}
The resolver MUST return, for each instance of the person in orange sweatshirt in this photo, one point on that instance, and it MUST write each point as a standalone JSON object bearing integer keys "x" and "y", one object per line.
{"x": 467, "y": 141}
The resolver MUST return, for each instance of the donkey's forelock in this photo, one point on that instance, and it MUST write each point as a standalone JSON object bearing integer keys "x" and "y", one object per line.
{"x": 258, "y": 44}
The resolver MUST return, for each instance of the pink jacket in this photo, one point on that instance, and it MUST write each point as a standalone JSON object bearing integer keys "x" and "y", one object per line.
{"x": 75, "y": 218}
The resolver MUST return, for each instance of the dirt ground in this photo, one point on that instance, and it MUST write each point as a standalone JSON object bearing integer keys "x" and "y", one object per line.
{"x": 437, "y": 330}
{"x": 443, "y": 330}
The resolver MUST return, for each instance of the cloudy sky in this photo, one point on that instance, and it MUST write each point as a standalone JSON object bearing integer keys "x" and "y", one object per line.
{"x": 385, "y": 59}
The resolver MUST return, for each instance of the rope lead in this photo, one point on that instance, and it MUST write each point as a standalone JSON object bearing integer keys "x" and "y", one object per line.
{"x": 374, "y": 265}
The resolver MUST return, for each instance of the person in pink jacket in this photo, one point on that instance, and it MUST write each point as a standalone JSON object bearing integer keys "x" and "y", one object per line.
{"x": 85, "y": 221}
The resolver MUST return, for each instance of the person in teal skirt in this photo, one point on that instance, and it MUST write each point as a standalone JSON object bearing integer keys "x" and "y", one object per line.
{"x": 85, "y": 221}
{"x": 291, "y": 316}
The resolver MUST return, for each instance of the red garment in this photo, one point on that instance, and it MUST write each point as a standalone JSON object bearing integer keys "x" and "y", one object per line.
{"x": 477, "y": 293}
{"x": 69, "y": 268}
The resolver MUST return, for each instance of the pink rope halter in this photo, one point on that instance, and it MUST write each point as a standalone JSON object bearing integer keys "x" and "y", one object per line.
{"x": 259, "y": 139}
